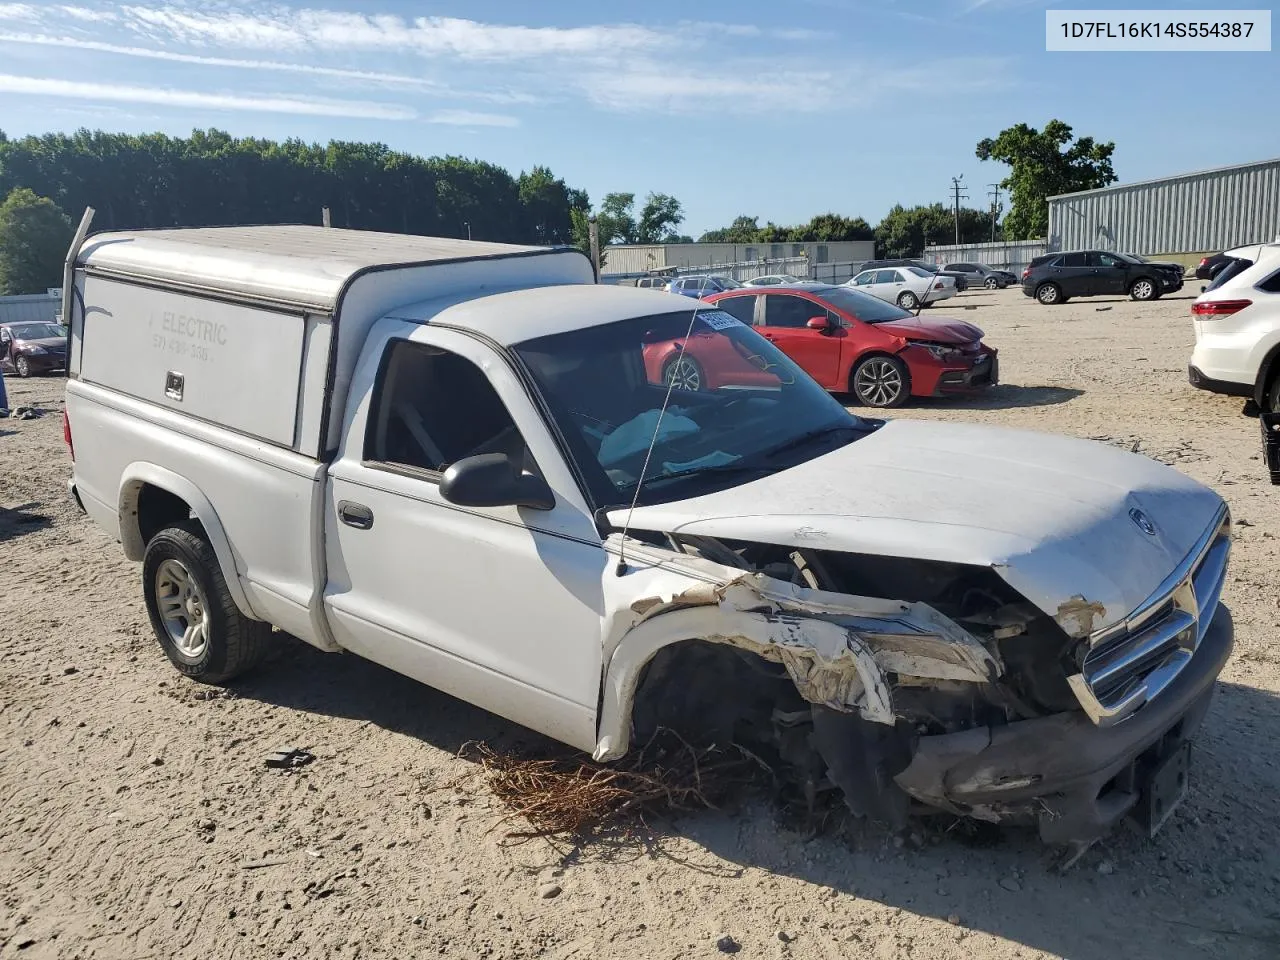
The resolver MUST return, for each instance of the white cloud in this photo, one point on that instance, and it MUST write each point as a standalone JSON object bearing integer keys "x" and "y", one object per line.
{"x": 52, "y": 12}
{"x": 313, "y": 29}
{"x": 17, "y": 11}
{"x": 87, "y": 14}
{"x": 466, "y": 118}
{"x": 370, "y": 76}
{"x": 119, "y": 93}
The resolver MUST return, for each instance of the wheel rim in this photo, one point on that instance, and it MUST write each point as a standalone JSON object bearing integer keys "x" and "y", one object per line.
{"x": 878, "y": 383}
{"x": 908, "y": 301}
{"x": 991, "y": 284}
{"x": 24, "y": 367}
{"x": 683, "y": 374}
{"x": 1142, "y": 289}
{"x": 1048, "y": 294}
{"x": 182, "y": 609}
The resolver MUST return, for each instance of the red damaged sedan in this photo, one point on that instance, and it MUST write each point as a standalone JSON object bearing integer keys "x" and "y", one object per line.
{"x": 849, "y": 341}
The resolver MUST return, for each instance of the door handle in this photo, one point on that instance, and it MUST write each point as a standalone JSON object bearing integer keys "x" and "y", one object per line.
{"x": 355, "y": 514}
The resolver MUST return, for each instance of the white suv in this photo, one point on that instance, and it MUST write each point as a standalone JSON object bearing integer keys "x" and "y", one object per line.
{"x": 1237, "y": 326}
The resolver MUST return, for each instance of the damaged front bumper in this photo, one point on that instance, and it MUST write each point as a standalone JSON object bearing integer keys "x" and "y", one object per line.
{"x": 1075, "y": 779}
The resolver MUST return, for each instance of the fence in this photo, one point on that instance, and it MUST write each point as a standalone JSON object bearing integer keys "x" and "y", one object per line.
{"x": 1012, "y": 255}
{"x": 749, "y": 269}
{"x": 835, "y": 272}
{"x": 32, "y": 306}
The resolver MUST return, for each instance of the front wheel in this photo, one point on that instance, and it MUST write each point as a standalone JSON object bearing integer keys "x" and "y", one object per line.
{"x": 881, "y": 381}
{"x": 908, "y": 300}
{"x": 682, "y": 372}
{"x": 23, "y": 366}
{"x": 195, "y": 619}
{"x": 992, "y": 283}
{"x": 1144, "y": 289}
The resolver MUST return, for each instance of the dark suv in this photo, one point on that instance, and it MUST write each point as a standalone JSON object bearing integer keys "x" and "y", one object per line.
{"x": 1057, "y": 277}
{"x": 962, "y": 280}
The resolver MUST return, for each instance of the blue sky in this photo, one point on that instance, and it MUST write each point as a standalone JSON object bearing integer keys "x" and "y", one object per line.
{"x": 774, "y": 110}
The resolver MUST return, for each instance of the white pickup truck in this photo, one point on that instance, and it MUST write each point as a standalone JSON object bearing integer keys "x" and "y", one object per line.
{"x": 467, "y": 462}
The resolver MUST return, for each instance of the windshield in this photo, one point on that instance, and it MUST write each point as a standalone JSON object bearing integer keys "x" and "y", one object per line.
{"x": 739, "y": 407}
{"x": 1131, "y": 257}
{"x": 863, "y": 306}
{"x": 1236, "y": 267}
{"x": 37, "y": 331}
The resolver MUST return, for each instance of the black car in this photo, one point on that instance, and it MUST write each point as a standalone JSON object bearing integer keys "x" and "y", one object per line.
{"x": 1209, "y": 267}
{"x": 962, "y": 282}
{"x": 1057, "y": 277}
{"x": 982, "y": 276}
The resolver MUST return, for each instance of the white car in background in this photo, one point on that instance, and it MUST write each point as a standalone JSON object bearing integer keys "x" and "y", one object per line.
{"x": 1237, "y": 328}
{"x": 772, "y": 280}
{"x": 908, "y": 287}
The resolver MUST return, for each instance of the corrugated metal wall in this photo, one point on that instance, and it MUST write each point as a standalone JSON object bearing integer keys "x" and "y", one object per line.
{"x": 641, "y": 258}
{"x": 1195, "y": 213}
{"x": 36, "y": 306}
{"x": 1012, "y": 256}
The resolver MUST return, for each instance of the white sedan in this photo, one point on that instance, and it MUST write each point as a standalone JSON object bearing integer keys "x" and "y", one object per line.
{"x": 908, "y": 287}
{"x": 772, "y": 280}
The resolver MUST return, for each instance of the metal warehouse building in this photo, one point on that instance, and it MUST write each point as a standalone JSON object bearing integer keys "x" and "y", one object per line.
{"x": 1181, "y": 218}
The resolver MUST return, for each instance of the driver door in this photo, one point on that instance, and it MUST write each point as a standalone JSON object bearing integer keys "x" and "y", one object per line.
{"x": 786, "y": 319}
{"x": 498, "y": 606}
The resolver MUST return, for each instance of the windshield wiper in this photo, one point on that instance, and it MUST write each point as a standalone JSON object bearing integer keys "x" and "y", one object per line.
{"x": 811, "y": 435}
{"x": 736, "y": 467}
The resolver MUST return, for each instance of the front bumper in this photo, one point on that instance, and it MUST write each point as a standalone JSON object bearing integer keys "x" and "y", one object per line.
{"x": 984, "y": 373}
{"x": 1075, "y": 779}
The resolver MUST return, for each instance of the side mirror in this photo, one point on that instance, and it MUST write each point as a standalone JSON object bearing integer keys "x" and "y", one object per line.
{"x": 818, "y": 323}
{"x": 492, "y": 480}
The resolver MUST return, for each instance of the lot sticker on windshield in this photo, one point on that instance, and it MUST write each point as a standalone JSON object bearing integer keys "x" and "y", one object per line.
{"x": 718, "y": 319}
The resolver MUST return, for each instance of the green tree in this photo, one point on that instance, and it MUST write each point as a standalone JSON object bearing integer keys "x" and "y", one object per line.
{"x": 744, "y": 229}
{"x": 905, "y": 231}
{"x": 615, "y": 220}
{"x": 34, "y": 237}
{"x": 1044, "y": 163}
{"x": 833, "y": 228}
{"x": 659, "y": 217}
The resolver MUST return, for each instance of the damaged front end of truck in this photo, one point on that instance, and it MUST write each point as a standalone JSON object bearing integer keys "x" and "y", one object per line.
{"x": 918, "y": 686}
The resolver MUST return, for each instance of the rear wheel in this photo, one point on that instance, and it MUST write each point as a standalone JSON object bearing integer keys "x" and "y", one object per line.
{"x": 195, "y": 619}
{"x": 1049, "y": 294}
{"x": 682, "y": 372}
{"x": 908, "y": 300}
{"x": 1144, "y": 289}
{"x": 881, "y": 381}
{"x": 1272, "y": 397}
{"x": 991, "y": 283}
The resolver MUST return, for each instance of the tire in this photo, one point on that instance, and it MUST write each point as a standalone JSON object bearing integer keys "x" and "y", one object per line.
{"x": 23, "y": 366}
{"x": 880, "y": 381}
{"x": 1144, "y": 289}
{"x": 991, "y": 283}
{"x": 196, "y": 621}
{"x": 908, "y": 300}
{"x": 1049, "y": 294}
{"x": 1271, "y": 398}
{"x": 688, "y": 371}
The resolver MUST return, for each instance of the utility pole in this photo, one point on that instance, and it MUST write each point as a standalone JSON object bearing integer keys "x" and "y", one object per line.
{"x": 994, "y": 194}
{"x": 593, "y": 239}
{"x": 956, "y": 189}
{"x": 467, "y": 224}
{"x": 324, "y": 216}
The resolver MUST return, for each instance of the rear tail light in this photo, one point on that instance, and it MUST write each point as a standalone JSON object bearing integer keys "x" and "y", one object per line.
{"x": 1026, "y": 272}
{"x": 1218, "y": 308}
{"x": 66, "y": 434}
{"x": 1204, "y": 262}
{"x": 938, "y": 285}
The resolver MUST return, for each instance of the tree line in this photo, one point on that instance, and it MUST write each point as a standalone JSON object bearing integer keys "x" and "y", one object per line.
{"x": 212, "y": 178}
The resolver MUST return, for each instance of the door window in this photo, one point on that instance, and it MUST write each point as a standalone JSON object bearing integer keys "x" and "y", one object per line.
{"x": 1073, "y": 260}
{"x": 787, "y": 311}
{"x": 433, "y": 408}
{"x": 742, "y": 308}
{"x": 865, "y": 279}
{"x": 1103, "y": 260}
{"x": 887, "y": 276}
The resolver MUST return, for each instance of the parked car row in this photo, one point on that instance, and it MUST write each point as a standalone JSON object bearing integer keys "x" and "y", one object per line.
{"x": 908, "y": 287}
{"x": 959, "y": 279}
{"x": 1057, "y": 277}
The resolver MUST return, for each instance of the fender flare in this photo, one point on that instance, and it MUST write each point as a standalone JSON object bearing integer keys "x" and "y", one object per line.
{"x": 139, "y": 474}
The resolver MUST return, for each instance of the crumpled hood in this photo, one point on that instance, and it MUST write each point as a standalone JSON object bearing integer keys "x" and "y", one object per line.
{"x": 937, "y": 329}
{"x": 1051, "y": 514}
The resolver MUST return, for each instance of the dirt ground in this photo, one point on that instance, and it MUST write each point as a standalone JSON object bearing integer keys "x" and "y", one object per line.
{"x": 137, "y": 817}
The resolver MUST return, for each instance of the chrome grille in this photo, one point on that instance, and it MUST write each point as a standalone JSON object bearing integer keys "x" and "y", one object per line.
{"x": 1129, "y": 663}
